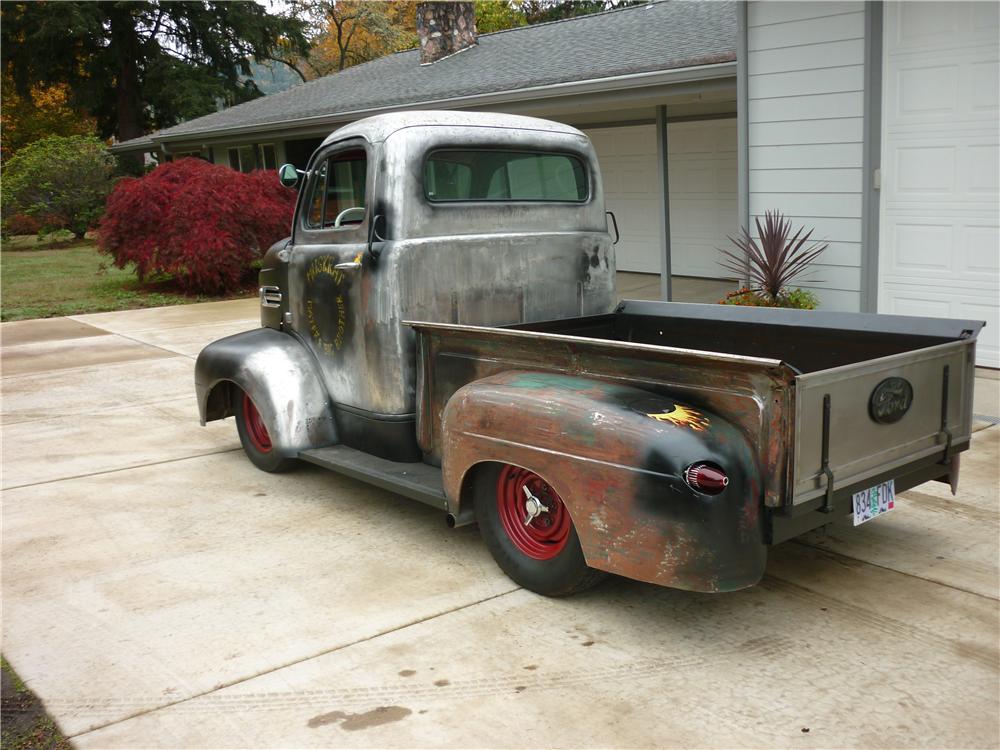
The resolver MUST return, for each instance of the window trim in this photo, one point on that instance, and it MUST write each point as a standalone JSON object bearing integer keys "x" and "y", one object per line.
{"x": 487, "y": 202}
{"x": 257, "y": 152}
{"x": 313, "y": 170}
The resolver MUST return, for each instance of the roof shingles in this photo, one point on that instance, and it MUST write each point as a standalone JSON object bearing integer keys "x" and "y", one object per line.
{"x": 639, "y": 39}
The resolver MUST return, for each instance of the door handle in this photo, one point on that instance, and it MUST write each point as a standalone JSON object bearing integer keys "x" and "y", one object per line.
{"x": 351, "y": 265}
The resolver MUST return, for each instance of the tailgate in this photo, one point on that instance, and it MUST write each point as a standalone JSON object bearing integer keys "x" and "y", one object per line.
{"x": 870, "y": 429}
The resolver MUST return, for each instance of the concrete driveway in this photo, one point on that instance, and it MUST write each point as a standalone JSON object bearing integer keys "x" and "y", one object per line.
{"x": 158, "y": 591}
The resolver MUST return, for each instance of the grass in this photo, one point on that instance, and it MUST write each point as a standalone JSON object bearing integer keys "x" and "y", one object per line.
{"x": 24, "y": 725}
{"x": 62, "y": 276}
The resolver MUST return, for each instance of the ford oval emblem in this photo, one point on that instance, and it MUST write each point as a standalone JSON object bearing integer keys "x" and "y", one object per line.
{"x": 890, "y": 400}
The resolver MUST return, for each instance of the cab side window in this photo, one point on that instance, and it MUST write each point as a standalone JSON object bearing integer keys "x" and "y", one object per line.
{"x": 337, "y": 197}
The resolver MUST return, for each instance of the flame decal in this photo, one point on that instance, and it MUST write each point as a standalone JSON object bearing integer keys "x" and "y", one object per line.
{"x": 683, "y": 416}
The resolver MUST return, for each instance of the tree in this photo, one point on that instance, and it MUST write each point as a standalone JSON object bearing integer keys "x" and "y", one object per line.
{"x": 59, "y": 181}
{"x": 46, "y": 110}
{"x": 350, "y": 32}
{"x": 542, "y": 11}
{"x": 204, "y": 224}
{"x": 141, "y": 65}
{"x": 498, "y": 15}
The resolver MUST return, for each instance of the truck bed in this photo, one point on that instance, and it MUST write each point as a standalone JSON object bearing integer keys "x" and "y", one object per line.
{"x": 806, "y": 340}
{"x": 799, "y": 384}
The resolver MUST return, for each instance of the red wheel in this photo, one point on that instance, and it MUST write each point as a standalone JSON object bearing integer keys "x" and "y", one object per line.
{"x": 255, "y": 437}
{"x": 529, "y": 531}
{"x": 256, "y": 429}
{"x": 532, "y": 513}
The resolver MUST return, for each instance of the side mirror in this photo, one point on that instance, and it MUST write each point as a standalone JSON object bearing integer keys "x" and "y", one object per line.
{"x": 288, "y": 175}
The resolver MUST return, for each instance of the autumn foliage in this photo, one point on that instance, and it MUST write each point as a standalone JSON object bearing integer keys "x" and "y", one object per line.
{"x": 203, "y": 224}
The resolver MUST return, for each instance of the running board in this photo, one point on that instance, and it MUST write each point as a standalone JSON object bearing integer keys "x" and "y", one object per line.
{"x": 418, "y": 481}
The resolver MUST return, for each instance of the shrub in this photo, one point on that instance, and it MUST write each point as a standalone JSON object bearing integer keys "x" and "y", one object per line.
{"x": 61, "y": 182}
{"x": 21, "y": 224}
{"x": 777, "y": 260}
{"x": 800, "y": 299}
{"x": 204, "y": 224}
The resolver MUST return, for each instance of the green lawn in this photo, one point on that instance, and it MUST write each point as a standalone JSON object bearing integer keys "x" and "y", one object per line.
{"x": 71, "y": 279}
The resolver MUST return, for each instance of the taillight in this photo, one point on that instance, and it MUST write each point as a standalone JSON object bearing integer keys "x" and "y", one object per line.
{"x": 706, "y": 478}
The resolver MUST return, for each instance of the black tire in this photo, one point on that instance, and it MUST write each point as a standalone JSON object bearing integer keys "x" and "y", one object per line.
{"x": 563, "y": 574}
{"x": 256, "y": 444}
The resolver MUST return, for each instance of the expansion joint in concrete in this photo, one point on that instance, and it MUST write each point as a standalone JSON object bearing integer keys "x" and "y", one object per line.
{"x": 294, "y": 662}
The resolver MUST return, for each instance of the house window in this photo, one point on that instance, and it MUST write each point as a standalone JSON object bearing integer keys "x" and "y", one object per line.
{"x": 251, "y": 157}
{"x": 266, "y": 158}
{"x": 504, "y": 176}
{"x": 338, "y": 191}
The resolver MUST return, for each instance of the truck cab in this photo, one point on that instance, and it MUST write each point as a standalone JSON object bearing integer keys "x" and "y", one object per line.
{"x": 482, "y": 219}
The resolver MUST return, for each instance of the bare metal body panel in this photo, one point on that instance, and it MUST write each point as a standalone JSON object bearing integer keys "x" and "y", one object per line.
{"x": 464, "y": 262}
{"x": 862, "y": 447}
{"x": 280, "y": 376}
{"x": 479, "y": 263}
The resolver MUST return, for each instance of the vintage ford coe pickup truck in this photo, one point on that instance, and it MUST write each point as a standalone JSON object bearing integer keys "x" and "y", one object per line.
{"x": 442, "y": 322}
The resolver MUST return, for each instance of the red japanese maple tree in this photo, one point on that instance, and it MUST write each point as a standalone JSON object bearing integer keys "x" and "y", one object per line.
{"x": 204, "y": 224}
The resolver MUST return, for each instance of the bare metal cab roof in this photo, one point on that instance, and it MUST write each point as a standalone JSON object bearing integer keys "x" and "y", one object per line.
{"x": 380, "y": 127}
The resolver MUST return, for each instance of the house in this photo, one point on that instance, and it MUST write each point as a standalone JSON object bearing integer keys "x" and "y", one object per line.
{"x": 875, "y": 124}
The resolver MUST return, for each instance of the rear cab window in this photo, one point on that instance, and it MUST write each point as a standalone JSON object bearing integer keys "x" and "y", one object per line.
{"x": 482, "y": 175}
{"x": 337, "y": 193}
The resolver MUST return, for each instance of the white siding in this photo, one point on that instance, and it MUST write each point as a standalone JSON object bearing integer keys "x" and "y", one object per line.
{"x": 805, "y": 120}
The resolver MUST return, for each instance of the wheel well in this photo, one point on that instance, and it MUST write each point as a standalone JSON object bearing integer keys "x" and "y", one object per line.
{"x": 466, "y": 506}
{"x": 219, "y": 402}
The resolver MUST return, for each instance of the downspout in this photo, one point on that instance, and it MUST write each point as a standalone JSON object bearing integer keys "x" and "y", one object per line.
{"x": 742, "y": 122}
{"x": 871, "y": 158}
{"x": 663, "y": 169}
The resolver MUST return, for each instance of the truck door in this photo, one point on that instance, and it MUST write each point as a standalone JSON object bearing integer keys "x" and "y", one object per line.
{"x": 326, "y": 301}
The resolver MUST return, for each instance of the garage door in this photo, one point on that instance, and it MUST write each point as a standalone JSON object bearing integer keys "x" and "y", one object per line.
{"x": 703, "y": 207}
{"x": 702, "y": 163}
{"x": 939, "y": 231}
{"x": 631, "y": 190}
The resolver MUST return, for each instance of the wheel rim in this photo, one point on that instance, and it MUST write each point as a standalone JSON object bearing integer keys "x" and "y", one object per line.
{"x": 539, "y": 534}
{"x": 256, "y": 429}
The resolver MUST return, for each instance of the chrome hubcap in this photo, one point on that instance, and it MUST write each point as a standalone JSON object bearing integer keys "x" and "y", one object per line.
{"x": 532, "y": 506}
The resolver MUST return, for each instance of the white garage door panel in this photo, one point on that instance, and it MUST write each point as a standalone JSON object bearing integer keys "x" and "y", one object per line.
{"x": 631, "y": 190}
{"x": 701, "y": 157}
{"x": 940, "y": 247}
{"x": 702, "y": 165}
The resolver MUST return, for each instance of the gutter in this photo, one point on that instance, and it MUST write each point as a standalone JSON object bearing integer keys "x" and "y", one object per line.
{"x": 593, "y": 85}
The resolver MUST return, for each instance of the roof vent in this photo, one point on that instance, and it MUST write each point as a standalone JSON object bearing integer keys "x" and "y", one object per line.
{"x": 444, "y": 28}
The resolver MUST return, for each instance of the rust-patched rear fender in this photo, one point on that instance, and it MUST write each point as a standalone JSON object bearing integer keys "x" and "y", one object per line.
{"x": 617, "y": 454}
{"x": 278, "y": 373}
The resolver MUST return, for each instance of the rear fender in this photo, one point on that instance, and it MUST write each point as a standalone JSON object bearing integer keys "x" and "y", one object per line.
{"x": 280, "y": 377}
{"x": 617, "y": 456}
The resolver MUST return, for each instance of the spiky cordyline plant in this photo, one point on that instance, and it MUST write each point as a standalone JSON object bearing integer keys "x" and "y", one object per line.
{"x": 777, "y": 260}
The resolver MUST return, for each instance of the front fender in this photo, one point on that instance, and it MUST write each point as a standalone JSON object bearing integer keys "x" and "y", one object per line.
{"x": 279, "y": 375}
{"x": 617, "y": 455}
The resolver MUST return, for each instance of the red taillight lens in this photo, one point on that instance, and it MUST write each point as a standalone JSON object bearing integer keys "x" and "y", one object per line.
{"x": 706, "y": 478}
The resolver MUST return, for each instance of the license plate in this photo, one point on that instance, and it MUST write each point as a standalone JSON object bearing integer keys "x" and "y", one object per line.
{"x": 874, "y": 501}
